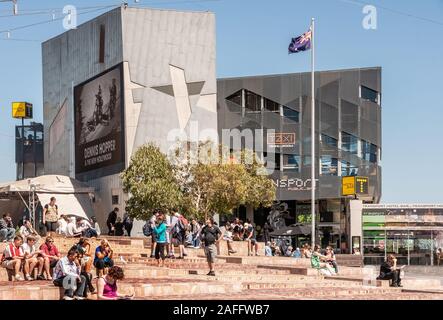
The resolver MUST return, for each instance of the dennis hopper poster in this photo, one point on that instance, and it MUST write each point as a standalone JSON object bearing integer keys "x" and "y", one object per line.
{"x": 99, "y": 132}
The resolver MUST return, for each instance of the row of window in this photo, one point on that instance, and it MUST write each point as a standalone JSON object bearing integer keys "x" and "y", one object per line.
{"x": 254, "y": 103}
{"x": 359, "y": 147}
{"x": 328, "y": 164}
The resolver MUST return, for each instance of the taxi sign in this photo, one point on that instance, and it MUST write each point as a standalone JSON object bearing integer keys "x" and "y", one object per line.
{"x": 22, "y": 110}
{"x": 361, "y": 185}
{"x": 348, "y": 186}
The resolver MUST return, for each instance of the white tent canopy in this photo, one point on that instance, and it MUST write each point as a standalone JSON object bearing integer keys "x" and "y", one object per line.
{"x": 73, "y": 197}
{"x": 47, "y": 184}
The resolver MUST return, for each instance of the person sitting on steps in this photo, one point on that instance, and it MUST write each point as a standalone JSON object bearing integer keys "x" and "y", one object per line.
{"x": 103, "y": 257}
{"x": 319, "y": 262}
{"x": 13, "y": 257}
{"x": 48, "y": 258}
{"x": 389, "y": 271}
{"x": 31, "y": 257}
{"x": 67, "y": 275}
{"x": 107, "y": 285}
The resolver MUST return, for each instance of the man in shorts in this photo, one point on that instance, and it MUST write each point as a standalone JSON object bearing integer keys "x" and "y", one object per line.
{"x": 13, "y": 257}
{"x": 211, "y": 235}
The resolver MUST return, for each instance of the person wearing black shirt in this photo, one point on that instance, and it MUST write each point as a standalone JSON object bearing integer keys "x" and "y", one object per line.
{"x": 210, "y": 235}
{"x": 389, "y": 271}
{"x": 112, "y": 218}
{"x": 127, "y": 223}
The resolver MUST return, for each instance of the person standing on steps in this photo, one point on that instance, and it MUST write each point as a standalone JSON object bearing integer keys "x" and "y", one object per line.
{"x": 112, "y": 218}
{"x": 160, "y": 239}
{"x": 127, "y": 223}
{"x": 50, "y": 215}
{"x": 211, "y": 235}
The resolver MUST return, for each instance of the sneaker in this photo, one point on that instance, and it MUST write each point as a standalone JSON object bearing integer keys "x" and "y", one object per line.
{"x": 41, "y": 277}
{"x": 123, "y": 260}
{"x": 29, "y": 278}
{"x": 211, "y": 273}
{"x": 256, "y": 254}
{"x": 19, "y": 278}
{"x": 67, "y": 298}
{"x": 151, "y": 256}
{"x": 185, "y": 254}
{"x": 79, "y": 298}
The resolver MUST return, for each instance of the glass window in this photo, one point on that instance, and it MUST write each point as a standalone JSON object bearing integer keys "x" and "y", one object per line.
{"x": 369, "y": 94}
{"x": 291, "y": 114}
{"x": 349, "y": 143}
{"x": 369, "y": 151}
{"x": 252, "y": 102}
{"x": 271, "y": 105}
{"x": 329, "y": 166}
{"x": 348, "y": 169}
{"x": 291, "y": 162}
{"x": 272, "y": 160}
{"x": 329, "y": 141}
{"x": 236, "y": 97}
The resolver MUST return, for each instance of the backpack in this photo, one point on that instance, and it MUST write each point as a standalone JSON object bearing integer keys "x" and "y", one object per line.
{"x": 147, "y": 229}
{"x": 181, "y": 226}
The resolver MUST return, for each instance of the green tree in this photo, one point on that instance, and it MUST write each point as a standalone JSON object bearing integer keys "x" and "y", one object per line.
{"x": 150, "y": 182}
{"x": 212, "y": 181}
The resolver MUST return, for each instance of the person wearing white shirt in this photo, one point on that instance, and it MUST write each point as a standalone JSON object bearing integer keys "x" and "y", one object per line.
{"x": 96, "y": 226}
{"x": 66, "y": 267}
{"x": 170, "y": 220}
{"x": 31, "y": 261}
{"x": 71, "y": 229}
{"x": 27, "y": 230}
{"x": 62, "y": 225}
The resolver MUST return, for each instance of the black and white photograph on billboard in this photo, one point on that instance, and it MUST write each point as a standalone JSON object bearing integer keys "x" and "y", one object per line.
{"x": 99, "y": 131}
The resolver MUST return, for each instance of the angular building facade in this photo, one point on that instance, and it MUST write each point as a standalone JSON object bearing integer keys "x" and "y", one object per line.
{"x": 125, "y": 78}
{"x": 277, "y": 110}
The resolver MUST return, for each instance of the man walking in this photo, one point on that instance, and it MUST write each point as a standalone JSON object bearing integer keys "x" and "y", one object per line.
{"x": 210, "y": 235}
{"x": 112, "y": 218}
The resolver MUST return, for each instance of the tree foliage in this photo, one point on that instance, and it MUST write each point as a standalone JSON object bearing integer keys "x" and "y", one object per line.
{"x": 150, "y": 182}
{"x": 213, "y": 181}
{"x": 201, "y": 180}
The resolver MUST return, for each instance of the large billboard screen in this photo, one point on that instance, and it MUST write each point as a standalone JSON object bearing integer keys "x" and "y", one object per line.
{"x": 99, "y": 125}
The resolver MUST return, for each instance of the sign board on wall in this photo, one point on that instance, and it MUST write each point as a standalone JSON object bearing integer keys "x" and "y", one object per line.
{"x": 354, "y": 185}
{"x": 99, "y": 124}
{"x": 348, "y": 186}
{"x": 22, "y": 110}
{"x": 280, "y": 139}
{"x": 362, "y": 185}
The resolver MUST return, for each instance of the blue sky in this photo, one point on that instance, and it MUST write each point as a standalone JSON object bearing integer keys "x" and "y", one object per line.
{"x": 252, "y": 39}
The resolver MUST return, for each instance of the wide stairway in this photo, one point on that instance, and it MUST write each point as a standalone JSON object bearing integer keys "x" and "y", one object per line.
{"x": 238, "y": 276}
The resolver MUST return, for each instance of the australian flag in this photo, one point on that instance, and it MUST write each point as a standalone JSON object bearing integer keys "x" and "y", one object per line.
{"x": 301, "y": 43}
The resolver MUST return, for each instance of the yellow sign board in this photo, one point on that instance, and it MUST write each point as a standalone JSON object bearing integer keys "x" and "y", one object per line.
{"x": 348, "y": 186}
{"x": 354, "y": 185}
{"x": 22, "y": 110}
{"x": 362, "y": 185}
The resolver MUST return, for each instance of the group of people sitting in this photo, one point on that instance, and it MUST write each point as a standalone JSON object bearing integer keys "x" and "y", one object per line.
{"x": 77, "y": 227}
{"x": 72, "y": 272}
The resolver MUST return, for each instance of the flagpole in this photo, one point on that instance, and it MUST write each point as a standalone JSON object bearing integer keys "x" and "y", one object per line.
{"x": 313, "y": 184}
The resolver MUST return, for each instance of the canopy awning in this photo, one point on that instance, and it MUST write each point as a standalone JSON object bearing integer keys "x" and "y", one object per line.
{"x": 47, "y": 184}
{"x": 70, "y": 204}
